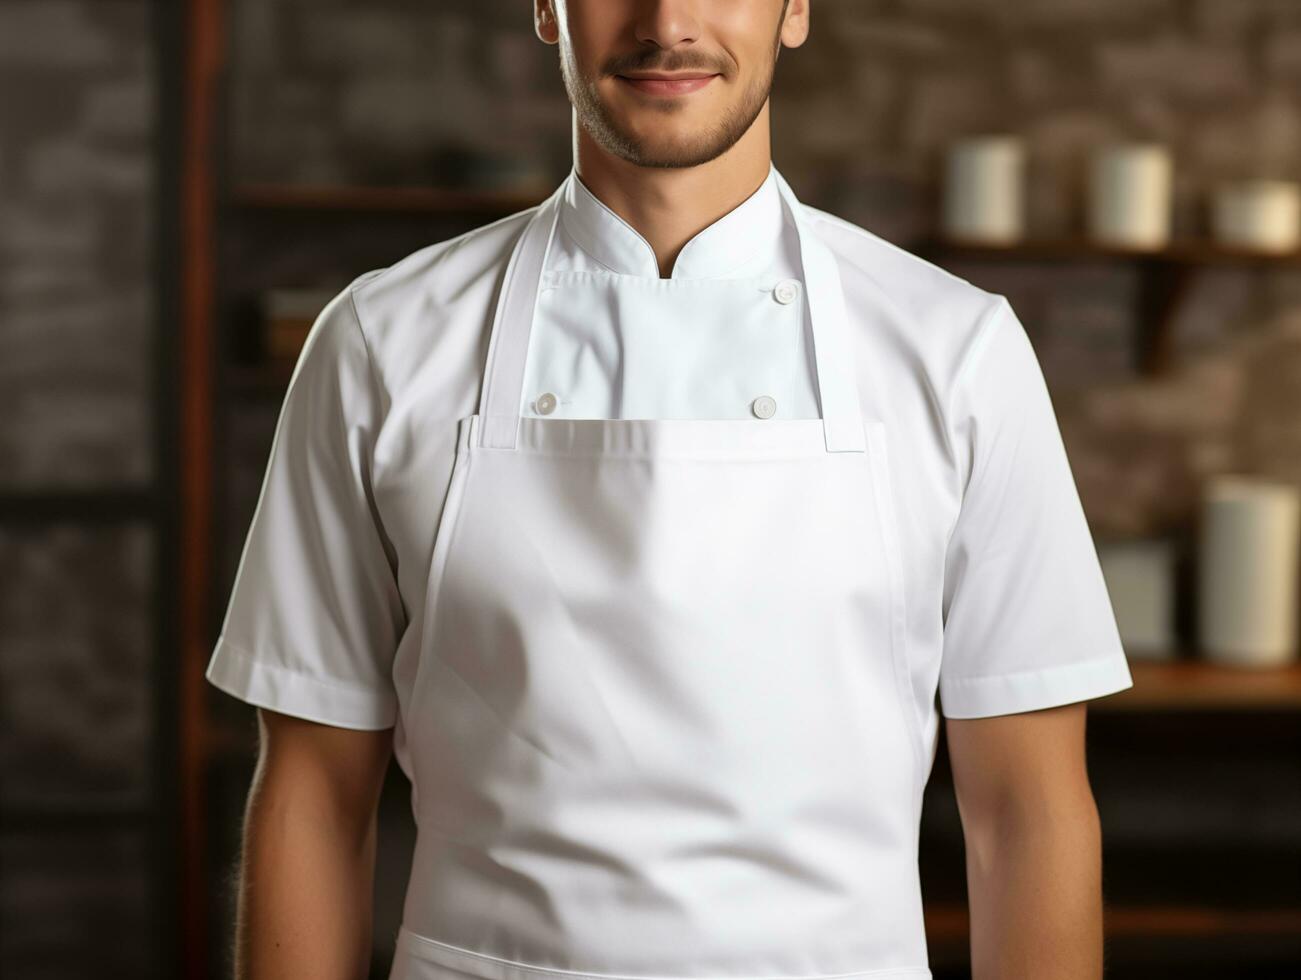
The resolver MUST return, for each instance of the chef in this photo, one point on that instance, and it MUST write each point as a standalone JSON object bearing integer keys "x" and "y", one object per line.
{"x": 653, "y": 529}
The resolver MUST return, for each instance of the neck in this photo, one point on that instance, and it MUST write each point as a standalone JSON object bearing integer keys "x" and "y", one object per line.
{"x": 669, "y": 205}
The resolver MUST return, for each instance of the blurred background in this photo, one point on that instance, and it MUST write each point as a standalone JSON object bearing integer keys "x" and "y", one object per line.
{"x": 183, "y": 184}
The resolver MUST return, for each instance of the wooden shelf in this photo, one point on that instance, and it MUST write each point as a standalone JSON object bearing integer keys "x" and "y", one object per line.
{"x": 950, "y": 922}
{"x": 507, "y": 200}
{"x": 1197, "y": 686}
{"x": 1167, "y": 276}
{"x": 1185, "y": 251}
{"x": 413, "y": 199}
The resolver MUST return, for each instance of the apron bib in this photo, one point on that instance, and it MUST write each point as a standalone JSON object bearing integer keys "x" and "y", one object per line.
{"x": 659, "y": 723}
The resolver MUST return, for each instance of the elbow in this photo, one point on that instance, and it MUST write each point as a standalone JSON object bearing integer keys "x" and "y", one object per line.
{"x": 1017, "y": 819}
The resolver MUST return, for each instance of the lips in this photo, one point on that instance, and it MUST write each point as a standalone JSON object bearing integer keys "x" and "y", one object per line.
{"x": 667, "y": 86}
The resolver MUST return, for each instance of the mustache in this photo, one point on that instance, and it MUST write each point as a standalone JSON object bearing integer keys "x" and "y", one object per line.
{"x": 654, "y": 61}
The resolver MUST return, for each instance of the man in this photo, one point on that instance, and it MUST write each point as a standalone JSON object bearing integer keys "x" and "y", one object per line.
{"x": 644, "y": 527}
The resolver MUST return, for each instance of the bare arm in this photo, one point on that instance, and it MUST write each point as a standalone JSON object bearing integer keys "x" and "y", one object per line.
{"x": 1033, "y": 844}
{"x": 308, "y": 863}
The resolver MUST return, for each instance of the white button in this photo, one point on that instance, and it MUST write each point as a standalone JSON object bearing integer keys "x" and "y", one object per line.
{"x": 546, "y": 403}
{"x": 764, "y": 406}
{"x": 786, "y": 291}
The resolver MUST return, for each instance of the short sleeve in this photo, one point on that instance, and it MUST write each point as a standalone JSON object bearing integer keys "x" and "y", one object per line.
{"x": 1028, "y": 622}
{"x": 314, "y": 615}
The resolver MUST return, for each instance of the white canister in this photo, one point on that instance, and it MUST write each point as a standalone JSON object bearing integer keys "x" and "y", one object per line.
{"x": 983, "y": 189}
{"x": 1139, "y": 574}
{"x": 1257, "y": 214}
{"x": 1129, "y": 192}
{"x": 1248, "y": 576}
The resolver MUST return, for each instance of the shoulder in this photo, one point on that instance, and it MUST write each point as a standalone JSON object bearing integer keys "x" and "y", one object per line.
{"x": 903, "y": 281}
{"x": 435, "y": 303}
{"x": 914, "y": 308}
{"x": 440, "y": 274}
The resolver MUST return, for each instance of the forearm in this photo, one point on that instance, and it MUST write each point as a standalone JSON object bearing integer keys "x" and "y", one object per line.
{"x": 305, "y": 888}
{"x": 1034, "y": 882}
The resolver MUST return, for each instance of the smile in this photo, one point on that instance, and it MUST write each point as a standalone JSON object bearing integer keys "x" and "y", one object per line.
{"x": 667, "y": 86}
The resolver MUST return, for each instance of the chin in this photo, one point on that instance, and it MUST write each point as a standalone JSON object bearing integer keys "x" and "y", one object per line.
{"x": 666, "y": 142}
{"x": 670, "y": 128}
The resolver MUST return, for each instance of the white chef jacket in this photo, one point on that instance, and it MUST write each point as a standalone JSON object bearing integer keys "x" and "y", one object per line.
{"x": 642, "y": 360}
{"x": 1006, "y": 608}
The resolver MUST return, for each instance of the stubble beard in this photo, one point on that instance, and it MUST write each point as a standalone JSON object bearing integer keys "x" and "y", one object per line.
{"x": 715, "y": 139}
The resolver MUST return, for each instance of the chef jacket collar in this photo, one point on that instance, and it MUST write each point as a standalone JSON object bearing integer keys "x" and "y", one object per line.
{"x": 723, "y": 249}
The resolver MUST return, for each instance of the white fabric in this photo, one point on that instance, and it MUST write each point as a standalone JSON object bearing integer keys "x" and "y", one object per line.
{"x": 629, "y": 660}
{"x": 729, "y": 624}
{"x": 611, "y": 339}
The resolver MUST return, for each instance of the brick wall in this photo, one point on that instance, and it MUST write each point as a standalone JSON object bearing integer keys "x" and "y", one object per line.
{"x": 76, "y": 187}
{"x": 76, "y": 307}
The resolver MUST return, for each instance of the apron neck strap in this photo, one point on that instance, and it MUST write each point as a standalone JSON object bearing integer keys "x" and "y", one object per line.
{"x": 842, "y": 418}
{"x": 508, "y": 342}
{"x": 502, "y": 394}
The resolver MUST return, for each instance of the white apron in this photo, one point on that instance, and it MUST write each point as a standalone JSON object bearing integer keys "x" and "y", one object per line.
{"x": 659, "y": 721}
